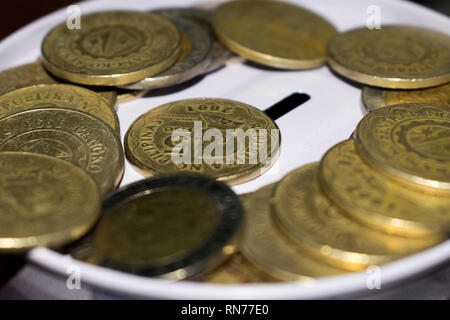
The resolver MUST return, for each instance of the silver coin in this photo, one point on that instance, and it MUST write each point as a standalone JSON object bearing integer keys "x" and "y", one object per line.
{"x": 193, "y": 61}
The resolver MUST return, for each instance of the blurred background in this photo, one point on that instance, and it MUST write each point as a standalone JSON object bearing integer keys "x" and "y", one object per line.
{"x": 17, "y": 13}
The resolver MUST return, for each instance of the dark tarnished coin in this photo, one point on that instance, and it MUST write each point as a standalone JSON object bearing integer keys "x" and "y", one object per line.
{"x": 44, "y": 201}
{"x": 71, "y": 135}
{"x": 61, "y": 96}
{"x": 400, "y": 57}
{"x": 224, "y": 139}
{"x": 219, "y": 54}
{"x": 375, "y": 98}
{"x": 112, "y": 48}
{"x": 193, "y": 59}
{"x": 274, "y": 33}
{"x": 32, "y": 74}
{"x": 410, "y": 143}
{"x": 170, "y": 226}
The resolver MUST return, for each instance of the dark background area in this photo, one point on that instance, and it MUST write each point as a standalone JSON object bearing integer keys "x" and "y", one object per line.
{"x": 15, "y": 14}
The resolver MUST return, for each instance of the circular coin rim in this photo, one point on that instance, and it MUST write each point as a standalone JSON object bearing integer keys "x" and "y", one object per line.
{"x": 114, "y": 134}
{"x": 60, "y": 237}
{"x": 373, "y": 98}
{"x": 380, "y": 222}
{"x": 407, "y": 179}
{"x": 265, "y": 262}
{"x": 64, "y": 86}
{"x": 123, "y": 78}
{"x": 341, "y": 258}
{"x": 124, "y": 97}
{"x": 267, "y": 59}
{"x": 222, "y": 242}
{"x": 232, "y": 179}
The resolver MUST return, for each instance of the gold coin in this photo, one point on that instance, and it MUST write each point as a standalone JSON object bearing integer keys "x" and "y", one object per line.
{"x": 44, "y": 202}
{"x": 379, "y": 202}
{"x": 213, "y": 142}
{"x": 171, "y": 226}
{"x": 33, "y": 74}
{"x": 273, "y": 33}
{"x": 219, "y": 54}
{"x": 375, "y": 98}
{"x": 400, "y": 57}
{"x": 71, "y": 135}
{"x": 61, "y": 96}
{"x": 109, "y": 95}
{"x": 10, "y": 265}
{"x": 237, "y": 271}
{"x": 112, "y": 48}
{"x": 264, "y": 245}
{"x": 194, "y": 56}
{"x": 410, "y": 143}
{"x": 324, "y": 230}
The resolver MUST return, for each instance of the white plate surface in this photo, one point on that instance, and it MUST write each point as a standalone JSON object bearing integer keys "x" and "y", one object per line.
{"x": 307, "y": 132}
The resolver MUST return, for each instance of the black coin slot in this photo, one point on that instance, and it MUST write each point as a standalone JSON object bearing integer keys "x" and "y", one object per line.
{"x": 286, "y": 105}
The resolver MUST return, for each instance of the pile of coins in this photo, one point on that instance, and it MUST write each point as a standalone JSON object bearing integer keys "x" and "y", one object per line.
{"x": 377, "y": 197}
{"x": 370, "y": 200}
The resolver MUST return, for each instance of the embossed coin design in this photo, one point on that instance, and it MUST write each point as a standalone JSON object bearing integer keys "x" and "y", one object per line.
{"x": 32, "y": 74}
{"x": 171, "y": 226}
{"x": 44, "y": 202}
{"x": 320, "y": 227}
{"x": 264, "y": 245}
{"x": 219, "y": 54}
{"x": 112, "y": 48}
{"x": 71, "y": 135}
{"x": 375, "y": 98}
{"x": 149, "y": 146}
{"x": 274, "y": 33}
{"x": 400, "y": 57}
{"x": 192, "y": 61}
{"x": 410, "y": 143}
{"x": 61, "y": 96}
{"x": 379, "y": 202}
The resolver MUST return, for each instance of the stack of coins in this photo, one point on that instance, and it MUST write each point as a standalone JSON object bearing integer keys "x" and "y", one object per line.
{"x": 370, "y": 200}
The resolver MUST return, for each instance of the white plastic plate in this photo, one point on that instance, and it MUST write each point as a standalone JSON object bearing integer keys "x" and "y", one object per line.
{"x": 307, "y": 132}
